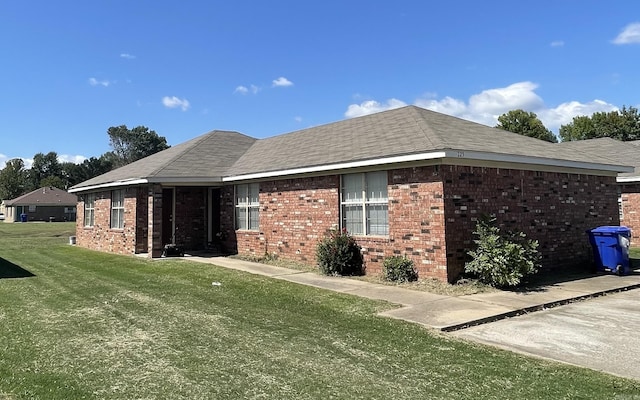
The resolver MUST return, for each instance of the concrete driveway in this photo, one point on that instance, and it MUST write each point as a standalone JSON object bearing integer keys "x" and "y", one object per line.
{"x": 601, "y": 333}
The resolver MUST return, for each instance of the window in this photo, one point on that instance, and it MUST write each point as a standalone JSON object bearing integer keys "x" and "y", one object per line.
{"x": 117, "y": 209}
{"x": 365, "y": 209}
{"x": 247, "y": 207}
{"x": 89, "y": 210}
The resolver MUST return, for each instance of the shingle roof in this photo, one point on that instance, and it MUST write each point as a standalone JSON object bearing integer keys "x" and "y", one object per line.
{"x": 206, "y": 157}
{"x": 406, "y": 130}
{"x": 627, "y": 153}
{"x": 399, "y": 132}
{"x": 45, "y": 196}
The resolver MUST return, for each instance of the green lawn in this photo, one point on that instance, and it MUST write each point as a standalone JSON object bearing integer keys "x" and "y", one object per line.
{"x": 78, "y": 324}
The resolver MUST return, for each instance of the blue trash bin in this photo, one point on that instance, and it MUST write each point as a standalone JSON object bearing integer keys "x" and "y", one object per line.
{"x": 610, "y": 246}
{"x": 23, "y": 217}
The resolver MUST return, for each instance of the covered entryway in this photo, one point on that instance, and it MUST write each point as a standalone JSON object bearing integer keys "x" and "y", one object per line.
{"x": 168, "y": 212}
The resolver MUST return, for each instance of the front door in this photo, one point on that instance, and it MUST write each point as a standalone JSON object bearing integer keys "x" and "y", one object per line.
{"x": 168, "y": 226}
{"x": 214, "y": 215}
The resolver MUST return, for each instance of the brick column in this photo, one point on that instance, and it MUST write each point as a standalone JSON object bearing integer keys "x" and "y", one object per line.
{"x": 154, "y": 200}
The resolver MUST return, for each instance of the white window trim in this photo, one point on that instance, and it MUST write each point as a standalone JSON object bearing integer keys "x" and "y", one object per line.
{"x": 247, "y": 205}
{"x": 119, "y": 223}
{"x": 90, "y": 207}
{"x": 365, "y": 204}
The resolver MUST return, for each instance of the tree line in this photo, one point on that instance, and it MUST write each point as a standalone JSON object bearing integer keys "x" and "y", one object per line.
{"x": 623, "y": 125}
{"x": 127, "y": 145}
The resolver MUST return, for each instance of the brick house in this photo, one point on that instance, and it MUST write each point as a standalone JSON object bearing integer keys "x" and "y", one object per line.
{"x": 43, "y": 204}
{"x": 406, "y": 182}
{"x": 628, "y": 193}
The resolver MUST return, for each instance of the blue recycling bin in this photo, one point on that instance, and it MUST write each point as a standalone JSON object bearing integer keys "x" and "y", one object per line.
{"x": 610, "y": 246}
{"x": 23, "y": 217}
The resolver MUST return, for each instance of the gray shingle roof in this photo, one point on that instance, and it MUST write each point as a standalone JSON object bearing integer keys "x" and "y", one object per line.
{"x": 45, "y": 196}
{"x": 627, "y": 153}
{"x": 206, "y": 157}
{"x": 403, "y": 131}
{"x": 406, "y": 130}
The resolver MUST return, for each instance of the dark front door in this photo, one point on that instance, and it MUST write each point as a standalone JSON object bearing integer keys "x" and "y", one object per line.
{"x": 167, "y": 216}
{"x": 215, "y": 213}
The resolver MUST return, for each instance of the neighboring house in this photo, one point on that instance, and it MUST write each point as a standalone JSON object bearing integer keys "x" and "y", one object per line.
{"x": 628, "y": 182}
{"x": 44, "y": 204}
{"x": 408, "y": 182}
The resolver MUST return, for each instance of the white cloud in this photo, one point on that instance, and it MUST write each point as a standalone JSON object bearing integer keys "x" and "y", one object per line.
{"x": 96, "y": 82}
{"x": 282, "y": 82}
{"x": 297, "y": 118}
{"x": 245, "y": 90}
{"x": 564, "y": 113}
{"x": 241, "y": 89}
{"x": 485, "y": 107}
{"x": 127, "y": 56}
{"x": 77, "y": 159}
{"x": 447, "y": 105}
{"x": 630, "y": 34}
{"x": 174, "y": 102}
{"x": 557, "y": 43}
{"x": 496, "y": 101}
{"x": 372, "y": 106}
{"x": 5, "y": 158}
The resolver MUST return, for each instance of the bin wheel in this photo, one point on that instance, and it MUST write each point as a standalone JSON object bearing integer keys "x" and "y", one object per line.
{"x": 619, "y": 270}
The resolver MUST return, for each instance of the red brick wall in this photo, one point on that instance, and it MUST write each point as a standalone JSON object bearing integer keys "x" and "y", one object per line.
{"x": 554, "y": 208}
{"x": 430, "y": 204}
{"x": 142, "y": 221}
{"x": 296, "y": 213}
{"x": 101, "y": 237}
{"x": 416, "y": 221}
{"x": 631, "y": 211}
{"x": 432, "y": 214}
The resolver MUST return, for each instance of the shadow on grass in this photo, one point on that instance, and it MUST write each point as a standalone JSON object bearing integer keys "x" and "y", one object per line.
{"x": 11, "y": 270}
{"x": 545, "y": 278}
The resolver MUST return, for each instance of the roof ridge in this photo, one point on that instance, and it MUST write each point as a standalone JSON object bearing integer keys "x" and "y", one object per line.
{"x": 191, "y": 144}
{"x": 417, "y": 111}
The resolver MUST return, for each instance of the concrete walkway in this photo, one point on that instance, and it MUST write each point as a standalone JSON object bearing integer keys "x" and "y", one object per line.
{"x": 445, "y": 313}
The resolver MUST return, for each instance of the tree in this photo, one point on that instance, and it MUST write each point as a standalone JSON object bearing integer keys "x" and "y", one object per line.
{"x": 526, "y": 124}
{"x": 130, "y": 145}
{"x": 622, "y": 125}
{"x": 13, "y": 179}
{"x": 45, "y": 166}
{"x": 90, "y": 168}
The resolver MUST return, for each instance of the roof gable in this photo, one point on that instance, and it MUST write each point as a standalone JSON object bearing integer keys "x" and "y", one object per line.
{"x": 45, "y": 196}
{"x": 206, "y": 157}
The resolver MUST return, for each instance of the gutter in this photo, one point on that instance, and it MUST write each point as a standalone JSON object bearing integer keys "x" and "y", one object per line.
{"x": 450, "y": 155}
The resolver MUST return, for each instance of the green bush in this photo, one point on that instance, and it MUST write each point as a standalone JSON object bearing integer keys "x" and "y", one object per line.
{"x": 339, "y": 254}
{"x": 502, "y": 259}
{"x": 399, "y": 269}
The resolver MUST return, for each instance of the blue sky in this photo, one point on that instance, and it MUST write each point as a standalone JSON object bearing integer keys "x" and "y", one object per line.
{"x": 72, "y": 69}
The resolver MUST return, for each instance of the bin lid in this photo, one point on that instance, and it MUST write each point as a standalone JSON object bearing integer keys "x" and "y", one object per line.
{"x": 611, "y": 229}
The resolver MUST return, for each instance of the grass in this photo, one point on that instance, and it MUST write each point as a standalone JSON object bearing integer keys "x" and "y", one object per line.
{"x": 78, "y": 324}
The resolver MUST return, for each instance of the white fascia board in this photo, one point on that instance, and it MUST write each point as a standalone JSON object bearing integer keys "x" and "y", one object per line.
{"x": 174, "y": 181}
{"x": 109, "y": 185}
{"x": 628, "y": 179}
{"x": 550, "y": 162}
{"x": 450, "y": 154}
{"x": 332, "y": 167}
{"x": 186, "y": 180}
